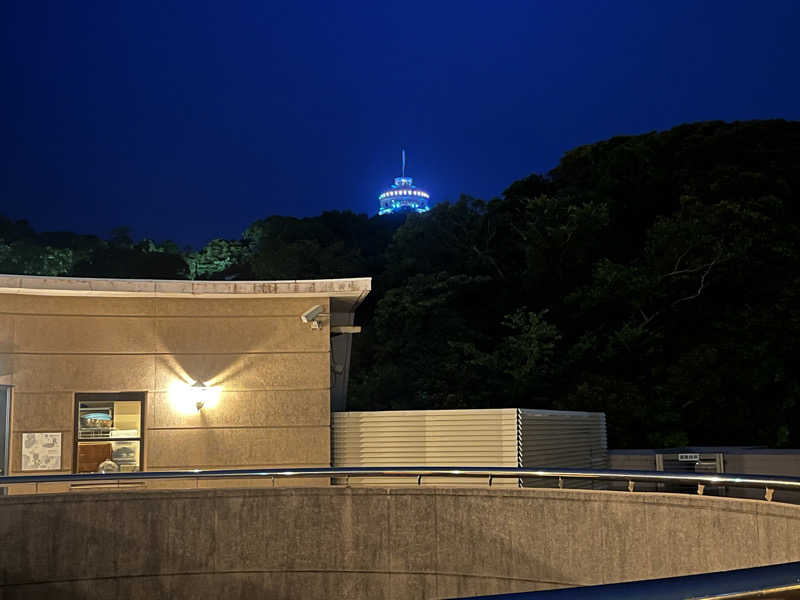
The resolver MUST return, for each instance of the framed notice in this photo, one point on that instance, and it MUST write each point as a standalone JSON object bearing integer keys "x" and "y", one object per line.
{"x": 41, "y": 451}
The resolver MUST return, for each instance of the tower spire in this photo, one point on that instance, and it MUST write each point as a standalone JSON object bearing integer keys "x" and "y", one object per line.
{"x": 403, "y": 195}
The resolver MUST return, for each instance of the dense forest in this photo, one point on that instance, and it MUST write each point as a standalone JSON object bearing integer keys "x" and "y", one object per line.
{"x": 652, "y": 277}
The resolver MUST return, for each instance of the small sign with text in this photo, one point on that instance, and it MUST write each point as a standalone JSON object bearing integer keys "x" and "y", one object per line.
{"x": 688, "y": 457}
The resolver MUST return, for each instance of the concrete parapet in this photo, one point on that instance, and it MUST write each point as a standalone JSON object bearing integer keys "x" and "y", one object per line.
{"x": 372, "y": 542}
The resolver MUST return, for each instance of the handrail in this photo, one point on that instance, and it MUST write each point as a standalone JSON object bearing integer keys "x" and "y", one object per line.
{"x": 767, "y": 482}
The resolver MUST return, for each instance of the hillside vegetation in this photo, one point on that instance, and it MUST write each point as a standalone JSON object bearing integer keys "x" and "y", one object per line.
{"x": 653, "y": 277}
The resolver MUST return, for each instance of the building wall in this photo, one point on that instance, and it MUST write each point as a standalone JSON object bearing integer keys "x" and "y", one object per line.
{"x": 784, "y": 463}
{"x": 272, "y": 369}
{"x": 374, "y": 543}
{"x": 740, "y": 461}
{"x": 632, "y": 460}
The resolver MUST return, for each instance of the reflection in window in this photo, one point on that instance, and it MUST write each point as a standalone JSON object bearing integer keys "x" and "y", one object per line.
{"x": 109, "y": 432}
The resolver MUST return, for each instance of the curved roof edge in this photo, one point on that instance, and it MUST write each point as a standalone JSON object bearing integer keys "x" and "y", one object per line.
{"x": 354, "y": 289}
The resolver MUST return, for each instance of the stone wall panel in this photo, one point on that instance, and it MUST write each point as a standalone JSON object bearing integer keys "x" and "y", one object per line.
{"x": 346, "y": 543}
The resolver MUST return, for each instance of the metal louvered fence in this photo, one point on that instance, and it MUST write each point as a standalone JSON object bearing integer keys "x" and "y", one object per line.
{"x": 509, "y": 437}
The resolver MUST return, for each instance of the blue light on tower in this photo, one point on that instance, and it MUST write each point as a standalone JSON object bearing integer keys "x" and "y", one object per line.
{"x": 403, "y": 196}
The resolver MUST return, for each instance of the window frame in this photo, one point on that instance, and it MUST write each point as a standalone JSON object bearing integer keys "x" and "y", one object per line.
{"x": 78, "y": 397}
{"x": 5, "y": 440}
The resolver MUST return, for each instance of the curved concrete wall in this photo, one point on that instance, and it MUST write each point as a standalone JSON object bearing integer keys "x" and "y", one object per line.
{"x": 373, "y": 543}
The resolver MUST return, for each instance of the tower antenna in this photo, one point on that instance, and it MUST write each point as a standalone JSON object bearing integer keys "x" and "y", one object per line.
{"x": 403, "y": 195}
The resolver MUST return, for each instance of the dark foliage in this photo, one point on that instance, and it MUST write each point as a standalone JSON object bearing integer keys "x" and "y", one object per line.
{"x": 653, "y": 277}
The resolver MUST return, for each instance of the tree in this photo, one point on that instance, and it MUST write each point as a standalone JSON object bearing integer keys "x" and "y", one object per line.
{"x": 28, "y": 258}
{"x": 652, "y": 277}
{"x": 216, "y": 258}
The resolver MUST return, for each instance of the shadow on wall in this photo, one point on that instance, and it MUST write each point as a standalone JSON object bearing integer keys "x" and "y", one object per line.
{"x": 212, "y": 369}
{"x": 185, "y": 372}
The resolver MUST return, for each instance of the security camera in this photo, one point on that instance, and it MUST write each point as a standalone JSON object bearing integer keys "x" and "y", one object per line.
{"x": 310, "y": 316}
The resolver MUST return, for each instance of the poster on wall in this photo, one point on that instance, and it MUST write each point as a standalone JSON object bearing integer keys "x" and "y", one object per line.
{"x": 41, "y": 451}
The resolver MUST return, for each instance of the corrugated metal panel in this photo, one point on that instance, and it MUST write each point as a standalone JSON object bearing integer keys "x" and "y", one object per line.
{"x": 552, "y": 439}
{"x": 426, "y": 438}
{"x": 472, "y": 438}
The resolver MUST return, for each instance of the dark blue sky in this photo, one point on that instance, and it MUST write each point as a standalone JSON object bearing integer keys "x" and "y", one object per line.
{"x": 189, "y": 120}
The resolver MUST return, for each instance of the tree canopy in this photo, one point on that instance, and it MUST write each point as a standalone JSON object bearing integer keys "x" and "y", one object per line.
{"x": 652, "y": 277}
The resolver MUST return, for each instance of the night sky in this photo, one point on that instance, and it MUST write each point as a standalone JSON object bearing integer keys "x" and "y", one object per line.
{"x": 189, "y": 120}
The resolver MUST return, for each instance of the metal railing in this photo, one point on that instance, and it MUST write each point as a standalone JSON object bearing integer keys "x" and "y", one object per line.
{"x": 766, "y": 482}
{"x": 777, "y": 581}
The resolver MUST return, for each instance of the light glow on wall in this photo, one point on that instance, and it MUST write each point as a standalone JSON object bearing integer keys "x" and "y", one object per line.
{"x": 191, "y": 398}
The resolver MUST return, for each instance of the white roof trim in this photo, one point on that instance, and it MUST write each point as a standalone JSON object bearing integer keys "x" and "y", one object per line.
{"x": 355, "y": 288}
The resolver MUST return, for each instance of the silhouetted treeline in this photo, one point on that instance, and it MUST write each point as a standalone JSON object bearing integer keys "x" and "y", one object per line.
{"x": 653, "y": 277}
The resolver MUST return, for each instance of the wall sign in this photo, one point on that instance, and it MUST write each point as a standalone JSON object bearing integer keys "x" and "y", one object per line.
{"x": 41, "y": 451}
{"x": 689, "y": 457}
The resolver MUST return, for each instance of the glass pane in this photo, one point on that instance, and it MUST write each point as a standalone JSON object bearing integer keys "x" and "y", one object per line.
{"x": 125, "y": 455}
{"x": 108, "y": 457}
{"x": 104, "y": 419}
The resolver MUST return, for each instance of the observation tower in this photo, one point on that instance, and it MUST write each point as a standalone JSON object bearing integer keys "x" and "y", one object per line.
{"x": 403, "y": 196}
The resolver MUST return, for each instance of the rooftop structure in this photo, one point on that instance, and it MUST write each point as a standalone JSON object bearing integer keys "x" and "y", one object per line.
{"x": 403, "y": 195}
{"x": 150, "y": 375}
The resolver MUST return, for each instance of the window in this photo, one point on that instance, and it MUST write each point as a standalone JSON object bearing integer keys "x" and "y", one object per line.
{"x": 108, "y": 432}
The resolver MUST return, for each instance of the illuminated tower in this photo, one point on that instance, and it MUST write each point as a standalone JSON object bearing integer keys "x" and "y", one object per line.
{"x": 403, "y": 196}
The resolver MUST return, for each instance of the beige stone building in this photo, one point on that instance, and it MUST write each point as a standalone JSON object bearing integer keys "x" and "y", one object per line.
{"x": 163, "y": 375}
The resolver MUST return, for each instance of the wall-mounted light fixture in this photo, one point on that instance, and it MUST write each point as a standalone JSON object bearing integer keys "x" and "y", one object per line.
{"x": 200, "y": 393}
{"x": 189, "y": 398}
